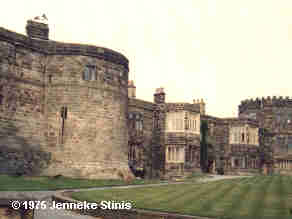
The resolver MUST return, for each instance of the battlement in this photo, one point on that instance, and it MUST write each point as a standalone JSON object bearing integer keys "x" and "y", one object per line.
{"x": 241, "y": 121}
{"x": 183, "y": 106}
{"x": 260, "y": 103}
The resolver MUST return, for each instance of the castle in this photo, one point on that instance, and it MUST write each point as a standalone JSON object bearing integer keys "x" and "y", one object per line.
{"x": 59, "y": 103}
{"x": 69, "y": 109}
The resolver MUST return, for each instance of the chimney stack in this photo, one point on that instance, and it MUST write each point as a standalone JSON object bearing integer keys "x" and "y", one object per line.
{"x": 159, "y": 96}
{"x": 202, "y": 107}
{"x": 37, "y": 28}
{"x": 131, "y": 89}
{"x": 201, "y": 104}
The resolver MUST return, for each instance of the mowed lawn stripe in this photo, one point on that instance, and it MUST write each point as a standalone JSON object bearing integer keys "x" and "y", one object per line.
{"x": 288, "y": 189}
{"x": 193, "y": 198}
{"x": 172, "y": 195}
{"x": 206, "y": 205}
{"x": 286, "y": 195}
{"x": 231, "y": 199}
{"x": 161, "y": 194}
{"x": 257, "y": 203}
{"x": 242, "y": 204}
{"x": 273, "y": 202}
{"x": 171, "y": 200}
{"x": 283, "y": 192}
{"x": 138, "y": 194}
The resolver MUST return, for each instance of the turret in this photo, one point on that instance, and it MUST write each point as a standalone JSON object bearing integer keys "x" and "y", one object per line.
{"x": 131, "y": 89}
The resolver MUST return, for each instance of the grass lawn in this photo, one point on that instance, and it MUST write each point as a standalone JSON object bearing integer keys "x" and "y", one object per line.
{"x": 21, "y": 183}
{"x": 255, "y": 197}
{"x": 13, "y": 183}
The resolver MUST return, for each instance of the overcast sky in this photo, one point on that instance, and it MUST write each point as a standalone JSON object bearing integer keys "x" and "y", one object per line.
{"x": 222, "y": 51}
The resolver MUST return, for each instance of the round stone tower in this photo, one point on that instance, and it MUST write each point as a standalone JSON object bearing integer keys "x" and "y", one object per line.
{"x": 74, "y": 105}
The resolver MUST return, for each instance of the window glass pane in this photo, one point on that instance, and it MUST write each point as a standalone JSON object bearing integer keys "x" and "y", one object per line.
{"x": 93, "y": 74}
{"x": 86, "y": 74}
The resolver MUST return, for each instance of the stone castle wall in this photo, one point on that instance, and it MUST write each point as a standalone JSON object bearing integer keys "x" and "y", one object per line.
{"x": 274, "y": 115}
{"x": 22, "y": 109}
{"x": 38, "y": 78}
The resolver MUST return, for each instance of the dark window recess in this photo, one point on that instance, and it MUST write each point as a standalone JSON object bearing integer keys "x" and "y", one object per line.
{"x": 50, "y": 78}
{"x": 86, "y": 74}
{"x": 136, "y": 121}
{"x": 1, "y": 98}
{"x": 108, "y": 76}
{"x": 236, "y": 162}
{"x": 64, "y": 110}
{"x": 90, "y": 73}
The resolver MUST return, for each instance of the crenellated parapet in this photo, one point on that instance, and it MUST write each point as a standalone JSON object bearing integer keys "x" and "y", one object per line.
{"x": 259, "y": 103}
{"x": 183, "y": 107}
{"x": 241, "y": 121}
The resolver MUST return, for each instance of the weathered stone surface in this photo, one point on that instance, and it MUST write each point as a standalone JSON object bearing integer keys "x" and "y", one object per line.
{"x": 275, "y": 116}
{"x": 37, "y": 79}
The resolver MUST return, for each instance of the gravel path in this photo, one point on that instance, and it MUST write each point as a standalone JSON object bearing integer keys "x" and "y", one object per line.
{"x": 63, "y": 214}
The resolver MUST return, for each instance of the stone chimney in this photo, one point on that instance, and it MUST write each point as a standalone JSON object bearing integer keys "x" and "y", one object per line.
{"x": 201, "y": 104}
{"x": 202, "y": 107}
{"x": 159, "y": 96}
{"x": 131, "y": 89}
{"x": 37, "y": 29}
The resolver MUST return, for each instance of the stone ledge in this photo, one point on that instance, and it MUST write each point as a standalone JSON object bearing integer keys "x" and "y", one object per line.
{"x": 49, "y": 47}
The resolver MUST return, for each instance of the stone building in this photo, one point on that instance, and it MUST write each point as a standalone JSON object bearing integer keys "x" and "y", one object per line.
{"x": 63, "y": 107}
{"x": 69, "y": 109}
{"x": 243, "y": 145}
{"x": 166, "y": 137}
{"x": 275, "y": 118}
